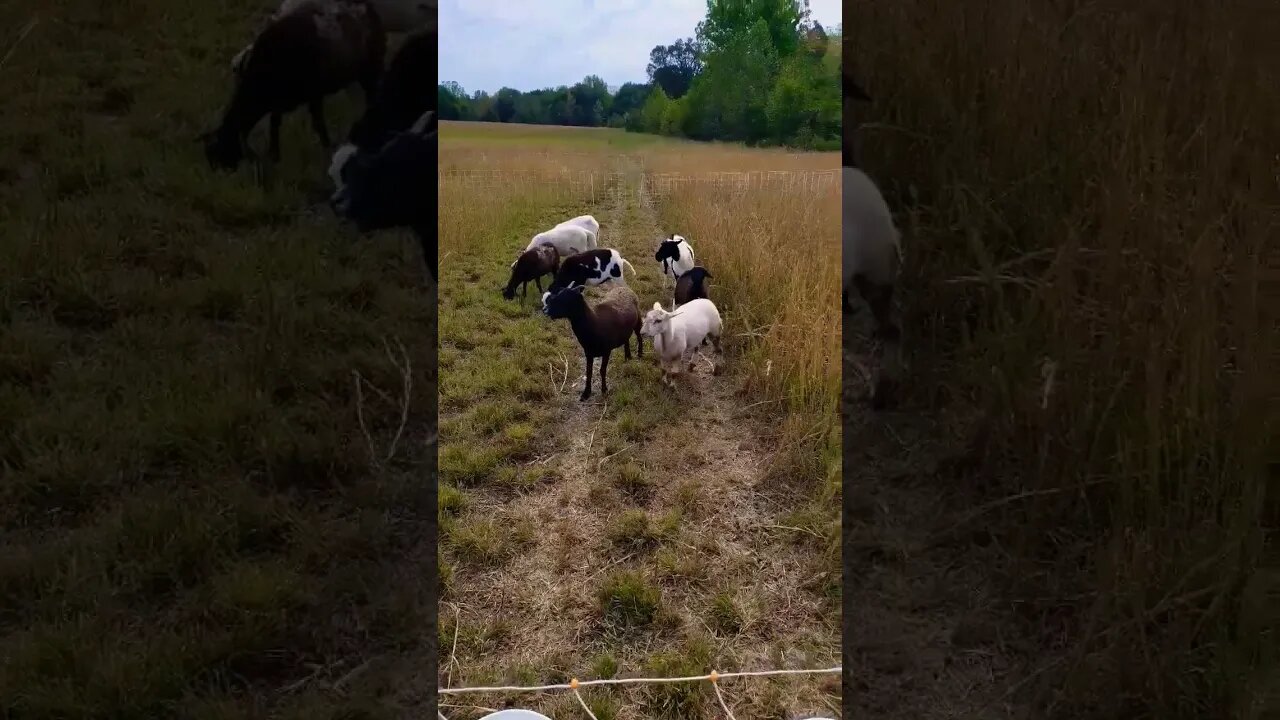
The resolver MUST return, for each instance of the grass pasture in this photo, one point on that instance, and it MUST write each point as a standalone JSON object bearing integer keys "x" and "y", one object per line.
{"x": 192, "y": 522}
{"x": 576, "y": 540}
{"x": 1089, "y": 192}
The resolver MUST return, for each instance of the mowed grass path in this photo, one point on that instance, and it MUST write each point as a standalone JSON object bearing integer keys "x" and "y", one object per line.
{"x": 192, "y": 523}
{"x": 633, "y": 534}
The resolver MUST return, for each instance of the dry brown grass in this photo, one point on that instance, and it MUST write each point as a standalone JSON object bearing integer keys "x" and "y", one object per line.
{"x": 1105, "y": 174}
{"x": 574, "y": 540}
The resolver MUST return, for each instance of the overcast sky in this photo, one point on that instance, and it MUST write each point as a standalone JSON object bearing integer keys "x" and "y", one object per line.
{"x": 532, "y": 44}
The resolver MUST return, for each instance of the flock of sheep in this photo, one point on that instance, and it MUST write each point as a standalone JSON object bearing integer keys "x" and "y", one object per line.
{"x": 384, "y": 174}
{"x": 602, "y": 327}
{"x": 871, "y": 257}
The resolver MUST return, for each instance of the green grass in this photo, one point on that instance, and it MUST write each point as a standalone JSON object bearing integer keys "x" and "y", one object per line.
{"x": 190, "y": 520}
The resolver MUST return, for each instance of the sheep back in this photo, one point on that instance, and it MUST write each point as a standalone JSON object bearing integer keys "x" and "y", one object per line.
{"x": 617, "y": 315}
{"x": 870, "y": 239}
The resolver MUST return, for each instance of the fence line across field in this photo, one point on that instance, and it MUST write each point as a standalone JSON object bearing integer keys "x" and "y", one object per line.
{"x": 659, "y": 183}
{"x": 574, "y": 685}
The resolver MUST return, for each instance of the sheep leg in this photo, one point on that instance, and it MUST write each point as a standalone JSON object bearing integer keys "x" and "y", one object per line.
{"x": 604, "y": 370}
{"x": 715, "y": 365}
{"x": 626, "y": 348}
{"x": 273, "y": 137}
{"x": 538, "y": 281}
{"x": 639, "y": 342}
{"x": 316, "y": 108}
{"x": 586, "y": 391}
{"x": 880, "y": 298}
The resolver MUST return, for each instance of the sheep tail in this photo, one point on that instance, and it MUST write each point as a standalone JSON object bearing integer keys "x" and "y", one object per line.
{"x": 627, "y": 264}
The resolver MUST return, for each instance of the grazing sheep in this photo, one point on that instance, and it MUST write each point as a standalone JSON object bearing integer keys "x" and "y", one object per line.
{"x": 532, "y": 265}
{"x": 587, "y": 222}
{"x": 871, "y": 250}
{"x": 600, "y": 328}
{"x": 566, "y": 239}
{"x": 313, "y": 51}
{"x": 395, "y": 187}
{"x": 589, "y": 268}
{"x": 691, "y": 285}
{"x": 677, "y": 335}
{"x": 401, "y": 98}
{"x": 396, "y": 16}
{"x": 676, "y": 255}
{"x": 871, "y": 259}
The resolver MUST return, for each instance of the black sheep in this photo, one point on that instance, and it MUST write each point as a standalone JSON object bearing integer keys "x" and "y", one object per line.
{"x": 600, "y": 328}
{"x": 311, "y": 52}
{"x": 395, "y": 187}
{"x": 532, "y": 264}
{"x": 691, "y": 285}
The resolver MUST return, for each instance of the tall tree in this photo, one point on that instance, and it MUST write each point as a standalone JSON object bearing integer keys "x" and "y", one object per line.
{"x": 673, "y": 67}
{"x": 729, "y": 19}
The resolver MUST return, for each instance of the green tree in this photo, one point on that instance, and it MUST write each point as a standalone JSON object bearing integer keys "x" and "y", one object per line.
{"x": 628, "y": 100}
{"x": 673, "y": 67}
{"x": 729, "y": 99}
{"x": 504, "y": 104}
{"x": 654, "y": 112}
{"x": 728, "y": 20}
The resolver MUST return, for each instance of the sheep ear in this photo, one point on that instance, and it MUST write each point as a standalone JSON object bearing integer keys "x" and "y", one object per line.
{"x": 657, "y": 306}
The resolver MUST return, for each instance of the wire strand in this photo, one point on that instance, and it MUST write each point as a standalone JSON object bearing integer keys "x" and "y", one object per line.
{"x": 632, "y": 681}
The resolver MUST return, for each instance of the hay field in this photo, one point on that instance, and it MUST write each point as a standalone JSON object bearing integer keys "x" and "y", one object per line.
{"x": 643, "y": 532}
{"x": 190, "y": 522}
{"x": 1092, "y": 202}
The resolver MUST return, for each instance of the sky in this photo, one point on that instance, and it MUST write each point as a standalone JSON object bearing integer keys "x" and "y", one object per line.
{"x": 532, "y": 44}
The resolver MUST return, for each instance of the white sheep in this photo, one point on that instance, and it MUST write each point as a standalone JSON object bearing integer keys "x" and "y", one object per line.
{"x": 678, "y": 335}
{"x": 566, "y": 239}
{"x": 871, "y": 250}
{"x": 397, "y": 16}
{"x": 589, "y": 223}
{"x": 676, "y": 255}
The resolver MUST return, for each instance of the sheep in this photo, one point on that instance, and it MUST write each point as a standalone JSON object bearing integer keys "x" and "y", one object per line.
{"x": 589, "y": 268}
{"x": 313, "y": 51}
{"x": 691, "y": 285}
{"x": 532, "y": 265}
{"x": 394, "y": 187}
{"x": 871, "y": 250}
{"x": 678, "y": 335}
{"x": 589, "y": 223}
{"x": 566, "y": 239}
{"x": 401, "y": 98}
{"x": 872, "y": 255}
{"x": 396, "y": 16}
{"x": 676, "y": 255}
{"x": 600, "y": 328}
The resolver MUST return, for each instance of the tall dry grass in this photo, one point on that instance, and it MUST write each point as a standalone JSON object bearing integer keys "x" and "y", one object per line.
{"x": 773, "y": 249}
{"x": 1105, "y": 174}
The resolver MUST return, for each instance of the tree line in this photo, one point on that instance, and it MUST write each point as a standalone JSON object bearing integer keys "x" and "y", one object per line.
{"x": 754, "y": 72}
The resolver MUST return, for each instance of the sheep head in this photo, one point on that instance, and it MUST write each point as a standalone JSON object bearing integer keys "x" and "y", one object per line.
{"x": 654, "y": 321}
{"x": 564, "y": 303}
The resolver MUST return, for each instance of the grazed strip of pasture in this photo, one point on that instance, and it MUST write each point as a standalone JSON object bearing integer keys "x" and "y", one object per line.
{"x": 643, "y": 498}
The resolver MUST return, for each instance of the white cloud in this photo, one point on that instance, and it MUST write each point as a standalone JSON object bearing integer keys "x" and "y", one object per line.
{"x": 488, "y": 44}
